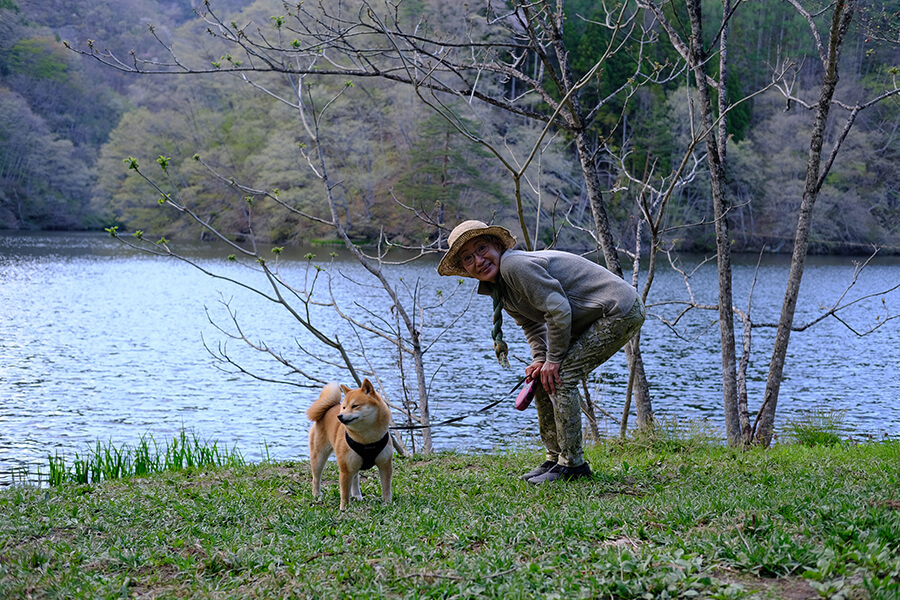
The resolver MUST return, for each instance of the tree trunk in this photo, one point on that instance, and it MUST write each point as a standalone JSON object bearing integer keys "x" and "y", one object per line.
{"x": 424, "y": 409}
{"x": 843, "y": 13}
{"x": 642, "y": 402}
{"x": 723, "y": 242}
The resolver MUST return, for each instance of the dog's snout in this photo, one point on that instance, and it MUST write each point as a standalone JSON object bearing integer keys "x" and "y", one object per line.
{"x": 341, "y": 418}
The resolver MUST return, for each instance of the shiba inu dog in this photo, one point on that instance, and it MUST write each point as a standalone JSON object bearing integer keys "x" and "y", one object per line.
{"x": 356, "y": 429}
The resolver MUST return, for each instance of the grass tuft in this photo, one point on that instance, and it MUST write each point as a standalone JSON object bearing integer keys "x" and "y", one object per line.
{"x": 675, "y": 435}
{"x": 821, "y": 426}
{"x": 107, "y": 461}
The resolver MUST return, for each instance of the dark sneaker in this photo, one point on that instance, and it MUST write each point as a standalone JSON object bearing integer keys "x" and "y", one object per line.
{"x": 546, "y": 466}
{"x": 559, "y": 472}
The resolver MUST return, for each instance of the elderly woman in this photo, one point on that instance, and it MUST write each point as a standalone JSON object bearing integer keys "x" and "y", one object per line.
{"x": 575, "y": 315}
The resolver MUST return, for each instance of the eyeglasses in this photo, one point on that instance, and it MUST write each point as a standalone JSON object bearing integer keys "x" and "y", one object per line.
{"x": 481, "y": 250}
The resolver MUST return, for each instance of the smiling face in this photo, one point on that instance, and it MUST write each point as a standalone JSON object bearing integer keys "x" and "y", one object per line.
{"x": 480, "y": 257}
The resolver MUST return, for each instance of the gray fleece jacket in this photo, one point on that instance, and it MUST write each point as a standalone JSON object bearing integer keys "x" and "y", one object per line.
{"x": 555, "y": 296}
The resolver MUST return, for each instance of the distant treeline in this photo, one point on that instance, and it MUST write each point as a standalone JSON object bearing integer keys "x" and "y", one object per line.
{"x": 67, "y": 123}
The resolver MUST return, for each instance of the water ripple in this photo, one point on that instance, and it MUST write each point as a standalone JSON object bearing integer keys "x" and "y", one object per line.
{"x": 101, "y": 344}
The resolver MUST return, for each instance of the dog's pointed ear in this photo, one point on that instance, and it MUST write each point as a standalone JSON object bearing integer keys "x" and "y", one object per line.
{"x": 344, "y": 388}
{"x": 367, "y": 387}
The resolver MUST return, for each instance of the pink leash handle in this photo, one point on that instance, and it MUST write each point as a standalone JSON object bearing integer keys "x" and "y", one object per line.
{"x": 526, "y": 395}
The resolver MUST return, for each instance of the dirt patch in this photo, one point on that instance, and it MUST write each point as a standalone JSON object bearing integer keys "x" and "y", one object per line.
{"x": 782, "y": 588}
{"x": 51, "y": 537}
{"x": 793, "y": 588}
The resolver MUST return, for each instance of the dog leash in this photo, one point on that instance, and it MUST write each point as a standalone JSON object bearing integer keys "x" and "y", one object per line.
{"x": 460, "y": 418}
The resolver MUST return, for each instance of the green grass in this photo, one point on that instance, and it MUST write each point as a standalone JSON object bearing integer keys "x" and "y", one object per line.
{"x": 819, "y": 426}
{"x": 659, "y": 520}
{"x": 107, "y": 461}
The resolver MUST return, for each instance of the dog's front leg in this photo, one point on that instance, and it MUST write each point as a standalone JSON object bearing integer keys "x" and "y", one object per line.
{"x": 355, "y": 492}
{"x": 386, "y": 471}
{"x": 346, "y": 482}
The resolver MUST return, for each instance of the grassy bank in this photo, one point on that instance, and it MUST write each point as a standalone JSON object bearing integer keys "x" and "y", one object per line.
{"x": 657, "y": 521}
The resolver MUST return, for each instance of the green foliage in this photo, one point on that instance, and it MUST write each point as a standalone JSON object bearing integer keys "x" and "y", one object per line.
{"x": 107, "y": 461}
{"x": 51, "y": 123}
{"x": 444, "y": 166}
{"x": 383, "y": 145}
{"x": 821, "y": 426}
{"x": 588, "y": 44}
{"x": 40, "y": 59}
{"x": 740, "y": 117}
{"x": 170, "y": 139}
{"x": 44, "y": 180}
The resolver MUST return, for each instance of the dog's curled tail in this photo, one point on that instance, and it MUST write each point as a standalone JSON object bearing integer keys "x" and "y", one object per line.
{"x": 330, "y": 396}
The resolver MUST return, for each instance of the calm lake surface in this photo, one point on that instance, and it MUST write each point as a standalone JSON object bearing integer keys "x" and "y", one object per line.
{"x": 102, "y": 343}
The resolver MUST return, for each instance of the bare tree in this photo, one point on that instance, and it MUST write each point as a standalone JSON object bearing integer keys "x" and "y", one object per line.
{"x": 738, "y": 427}
{"x": 699, "y": 58}
{"x": 829, "y": 50}
{"x": 514, "y": 58}
{"x": 407, "y": 340}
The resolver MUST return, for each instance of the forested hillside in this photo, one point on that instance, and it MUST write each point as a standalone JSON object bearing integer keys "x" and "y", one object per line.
{"x": 67, "y": 122}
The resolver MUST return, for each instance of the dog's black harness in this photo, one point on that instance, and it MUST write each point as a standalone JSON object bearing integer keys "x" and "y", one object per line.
{"x": 368, "y": 452}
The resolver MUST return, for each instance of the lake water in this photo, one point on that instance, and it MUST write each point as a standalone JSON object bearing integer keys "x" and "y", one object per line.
{"x": 101, "y": 343}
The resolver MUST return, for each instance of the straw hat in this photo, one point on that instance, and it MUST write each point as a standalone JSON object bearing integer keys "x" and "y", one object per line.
{"x": 464, "y": 232}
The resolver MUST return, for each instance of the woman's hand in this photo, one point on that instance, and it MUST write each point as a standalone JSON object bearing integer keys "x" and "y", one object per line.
{"x": 547, "y": 372}
{"x": 550, "y": 377}
{"x": 533, "y": 371}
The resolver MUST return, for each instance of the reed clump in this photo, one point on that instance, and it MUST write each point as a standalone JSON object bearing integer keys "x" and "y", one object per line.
{"x": 105, "y": 461}
{"x": 820, "y": 426}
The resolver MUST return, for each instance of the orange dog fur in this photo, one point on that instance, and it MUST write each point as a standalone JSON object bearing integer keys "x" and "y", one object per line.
{"x": 365, "y": 417}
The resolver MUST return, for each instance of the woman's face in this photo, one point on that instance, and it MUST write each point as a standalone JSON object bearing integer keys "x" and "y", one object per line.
{"x": 480, "y": 257}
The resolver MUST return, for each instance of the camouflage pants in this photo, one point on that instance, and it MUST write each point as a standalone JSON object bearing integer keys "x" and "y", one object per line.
{"x": 559, "y": 414}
